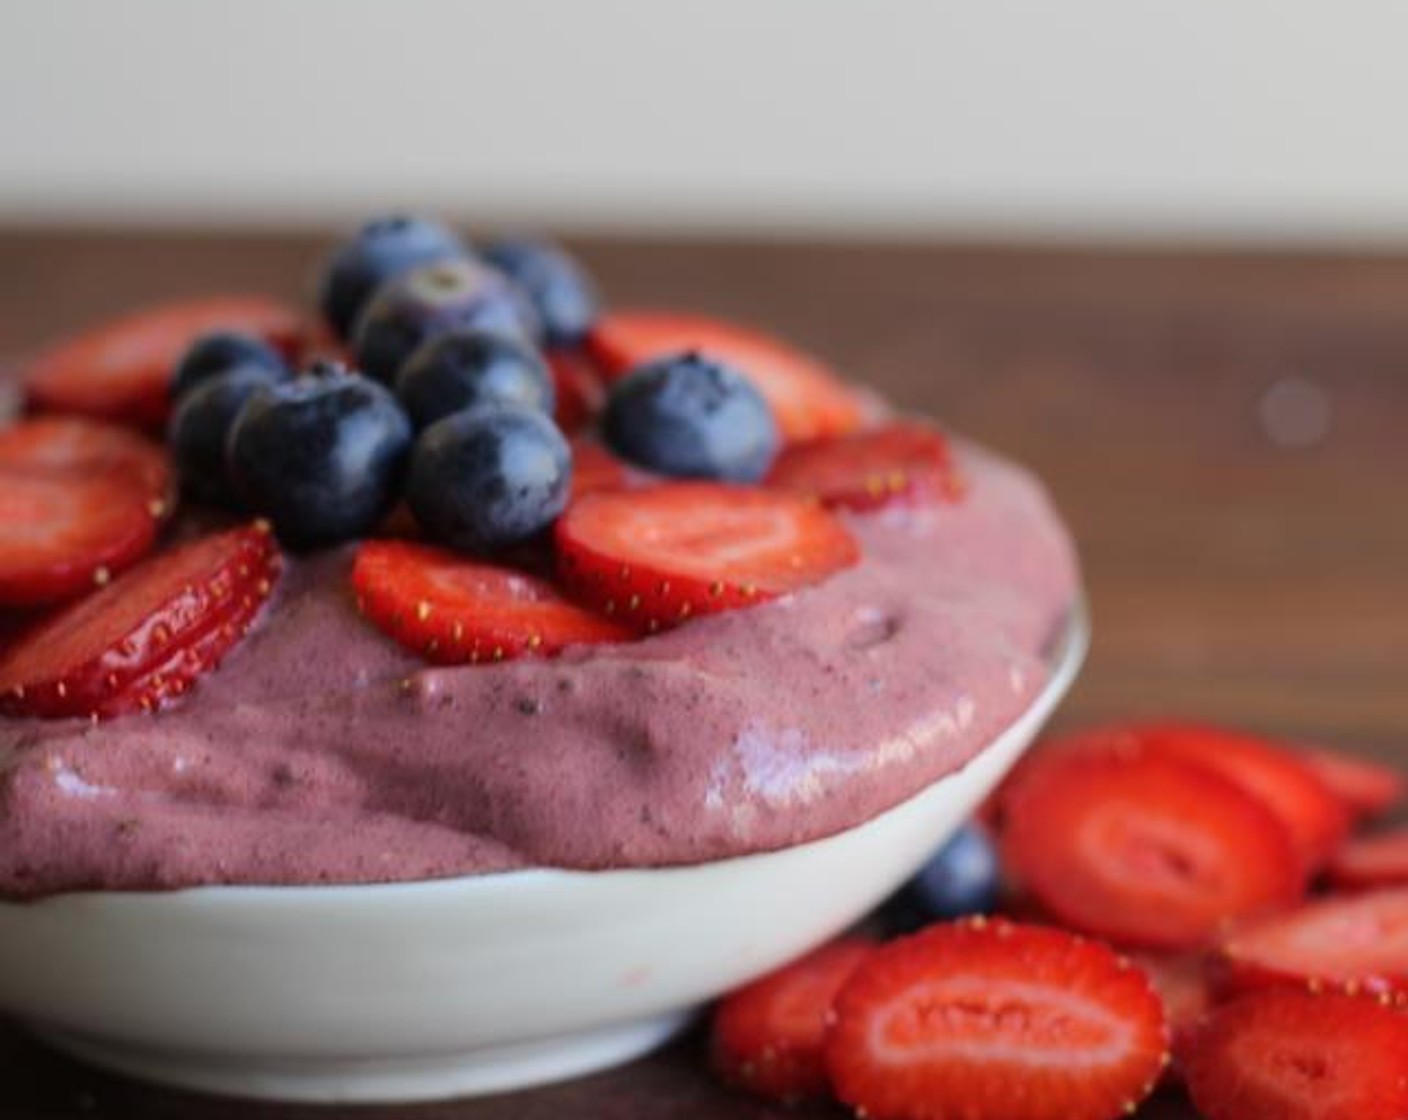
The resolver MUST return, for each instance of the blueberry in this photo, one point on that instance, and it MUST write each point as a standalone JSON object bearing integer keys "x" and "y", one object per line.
{"x": 490, "y": 477}
{"x": 691, "y": 416}
{"x": 380, "y": 250}
{"x": 212, "y": 355}
{"x": 562, "y": 293}
{"x": 432, "y": 299}
{"x": 321, "y": 457}
{"x": 962, "y": 877}
{"x": 464, "y": 368}
{"x": 200, "y": 426}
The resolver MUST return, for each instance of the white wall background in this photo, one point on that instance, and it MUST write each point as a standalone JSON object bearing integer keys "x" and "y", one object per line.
{"x": 1250, "y": 119}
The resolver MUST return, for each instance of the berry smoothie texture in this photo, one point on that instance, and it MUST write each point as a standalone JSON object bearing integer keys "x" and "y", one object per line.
{"x": 321, "y": 751}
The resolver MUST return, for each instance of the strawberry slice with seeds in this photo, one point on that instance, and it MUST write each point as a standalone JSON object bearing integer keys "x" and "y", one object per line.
{"x": 1365, "y": 788}
{"x": 62, "y": 535}
{"x": 147, "y": 635}
{"x": 1285, "y": 1055}
{"x": 121, "y": 369}
{"x": 1380, "y": 860}
{"x": 1145, "y": 850}
{"x": 1353, "y": 944}
{"x": 72, "y": 444}
{"x": 1276, "y": 777}
{"x": 453, "y": 610}
{"x": 899, "y": 462}
{"x": 989, "y": 1020}
{"x": 657, "y": 556}
{"x": 808, "y": 401}
{"x": 768, "y": 1037}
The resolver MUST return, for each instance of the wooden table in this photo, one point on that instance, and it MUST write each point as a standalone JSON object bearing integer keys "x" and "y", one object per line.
{"x": 1228, "y": 436}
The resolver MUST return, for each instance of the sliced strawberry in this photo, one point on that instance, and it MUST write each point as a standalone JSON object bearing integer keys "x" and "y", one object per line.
{"x": 121, "y": 369}
{"x": 807, "y": 399}
{"x": 1372, "y": 861}
{"x": 580, "y": 393}
{"x": 768, "y": 1037}
{"x": 899, "y": 462}
{"x": 1183, "y": 984}
{"x": 55, "y": 444}
{"x": 147, "y": 635}
{"x": 1365, "y": 788}
{"x": 595, "y": 468}
{"x": 657, "y": 556}
{"x": 453, "y": 610}
{"x": 1145, "y": 850}
{"x": 62, "y": 535}
{"x": 1286, "y": 1055}
{"x": 988, "y": 1020}
{"x": 1353, "y": 944}
{"x": 1274, "y": 776}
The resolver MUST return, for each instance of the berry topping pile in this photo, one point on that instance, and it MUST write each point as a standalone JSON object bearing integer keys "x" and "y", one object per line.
{"x": 520, "y": 467}
{"x": 1172, "y": 923}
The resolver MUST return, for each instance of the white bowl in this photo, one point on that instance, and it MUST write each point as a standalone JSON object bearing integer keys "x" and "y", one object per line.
{"x": 414, "y": 991}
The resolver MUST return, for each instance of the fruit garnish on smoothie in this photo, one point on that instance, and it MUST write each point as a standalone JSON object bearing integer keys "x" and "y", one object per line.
{"x": 474, "y": 571}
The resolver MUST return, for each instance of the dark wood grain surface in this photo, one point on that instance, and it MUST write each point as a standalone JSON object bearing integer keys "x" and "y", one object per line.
{"x": 1227, "y": 435}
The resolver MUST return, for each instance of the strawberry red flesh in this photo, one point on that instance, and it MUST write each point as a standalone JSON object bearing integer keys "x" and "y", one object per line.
{"x": 900, "y": 462}
{"x": 61, "y": 536}
{"x": 1353, "y": 944}
{"x": 1184, "y": 986}
{"x": 768, "y": 1037}
{"x": 1365, "y": 788}
{"x": 1380, "y": 860}
{"x": 578, "y": 389}
{"x": 657, "y": 556}
{"x": 808, "y": 401}
{"x": 1276, "y": 777}
{"x": 454, "y": 610}
{"x": 79, "y": 501}
{"x": 1286, "y": 1055}
{"x": 1145, "y": 850}
{"x": 120, "y": 369}
{"x": 147, "y": 635}
{"x": 595, "y": 468}
{"x": 59, "y": 444}
{"x": 988, "y": 1020}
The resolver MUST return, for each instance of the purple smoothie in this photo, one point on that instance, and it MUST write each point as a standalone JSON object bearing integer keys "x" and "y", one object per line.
{"x": 322, "y": 752}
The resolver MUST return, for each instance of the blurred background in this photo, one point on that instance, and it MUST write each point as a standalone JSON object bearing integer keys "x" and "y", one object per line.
{"x": 1152, "y": 248}
{"x": 1224, "y": 120}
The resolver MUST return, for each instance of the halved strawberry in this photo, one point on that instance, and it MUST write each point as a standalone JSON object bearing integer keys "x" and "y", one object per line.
{"x": 91, "y": 447}
{"x": 768, "y": 1037}
{"x": 1145, "y": 850}
{"x": 580, "y": 393}
{"x": 1273, "y": 775}
{"x": 657, "y": 556}
{"x": 453, "y": 610}
{"x": 989, "y": 1020}
{"x": 1354, "y": 944}
{"x": 899, "y": 462}
{"x": 1380, "y": 860}
{"x": 1286, "y": 1055}
{"x": 1365, "y": 788}
{"x": 62, "y": 535}
{"x": 807, "y": 399}
{"x": 147, "y": 635}
{"x": 1183, "y": 984}
{"x": 121, "y": 369}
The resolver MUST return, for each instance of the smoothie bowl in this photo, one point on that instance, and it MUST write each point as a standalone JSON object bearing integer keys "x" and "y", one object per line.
{"x": 359, "y": 806}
